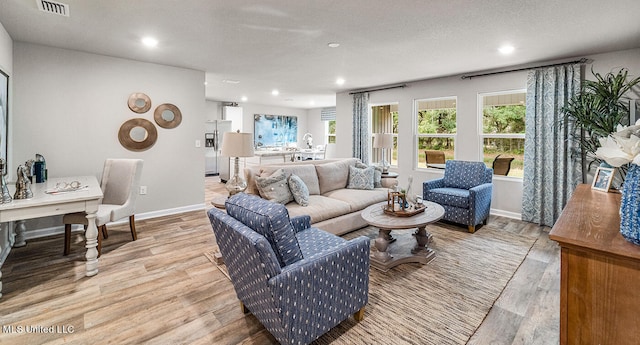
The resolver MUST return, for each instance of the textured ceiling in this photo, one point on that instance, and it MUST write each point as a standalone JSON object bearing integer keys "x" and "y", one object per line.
{"x": 282, "y": 44}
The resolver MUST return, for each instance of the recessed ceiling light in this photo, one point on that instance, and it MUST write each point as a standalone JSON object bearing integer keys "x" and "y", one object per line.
{"x": 507, "y": 49}
{"x": 150, "y": 42}
{"x": 230, "y": 81}
{"x": 275, "y": 92}
{"x": 333, "y": 44}
{"x": 312, "y": 102}
{"x": 244, "y": 98}
{"x": 340, "y": 81}
{"x": 205, "y": 83}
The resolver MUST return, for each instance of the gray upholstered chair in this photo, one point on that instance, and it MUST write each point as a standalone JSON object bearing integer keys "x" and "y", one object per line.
{"x": 119, "y": 184}
{"x": 298, "y": 281}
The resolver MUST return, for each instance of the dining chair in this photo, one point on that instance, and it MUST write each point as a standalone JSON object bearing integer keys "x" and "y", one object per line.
{"x": 502, "y": 165}
{"x": 120, "y": 184}
{"x": 434, "y": 157}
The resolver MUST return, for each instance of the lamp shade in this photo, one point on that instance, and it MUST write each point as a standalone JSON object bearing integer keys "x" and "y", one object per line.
{"x": 236, "y": 144}
{"x": 382, "y": 140}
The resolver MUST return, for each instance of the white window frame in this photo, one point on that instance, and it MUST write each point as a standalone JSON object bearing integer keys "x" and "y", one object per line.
{"x": 395, "y": 135}
{"x": 482, "y": 135}
{"x": 417, "y": 136}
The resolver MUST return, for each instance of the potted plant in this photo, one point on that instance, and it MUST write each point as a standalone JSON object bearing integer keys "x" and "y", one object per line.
{"x": 596, "y": 112}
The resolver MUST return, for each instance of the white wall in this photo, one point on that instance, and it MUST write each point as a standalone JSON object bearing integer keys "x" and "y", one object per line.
{"x": 507, "y": 193}
{"x": 69, "y": 106}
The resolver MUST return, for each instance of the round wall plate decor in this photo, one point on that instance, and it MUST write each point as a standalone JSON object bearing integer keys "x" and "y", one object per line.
{"x": 167, "y": 115}
{"x": 137, "y": 134}
{"x": 139, "y": 102}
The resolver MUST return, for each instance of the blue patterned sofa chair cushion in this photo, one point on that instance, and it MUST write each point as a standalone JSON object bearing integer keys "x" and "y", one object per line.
{"x": 270, "y": 220}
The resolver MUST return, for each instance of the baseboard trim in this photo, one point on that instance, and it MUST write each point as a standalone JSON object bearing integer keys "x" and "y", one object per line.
{"x": 55, "y": 230}
{"x": 506, "y": 214}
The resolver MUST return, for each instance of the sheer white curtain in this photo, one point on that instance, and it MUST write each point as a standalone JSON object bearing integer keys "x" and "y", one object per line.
{"x": 550, "y": 172}
{"x": 361, "y": 136}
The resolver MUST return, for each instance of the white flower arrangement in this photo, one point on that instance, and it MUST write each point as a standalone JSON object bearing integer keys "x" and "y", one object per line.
{"x": 621, "y": 147}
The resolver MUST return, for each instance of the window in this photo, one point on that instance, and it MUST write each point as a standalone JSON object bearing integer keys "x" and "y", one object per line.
{"x": 503, "y": 130}
{"x": 384, "y": 119}
{"x": 328, "y": 115}
{"x": 436, "y": 128}
{"x": 331, "y": 131}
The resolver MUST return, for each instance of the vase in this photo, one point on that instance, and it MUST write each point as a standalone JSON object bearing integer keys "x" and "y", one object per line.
{"x": 411, "y": 198}
{"x": 630, "y": 206}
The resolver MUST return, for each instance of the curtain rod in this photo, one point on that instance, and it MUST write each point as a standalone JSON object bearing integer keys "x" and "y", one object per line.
{"x": 581, "y": 61}
{"x": 379, "y": 89}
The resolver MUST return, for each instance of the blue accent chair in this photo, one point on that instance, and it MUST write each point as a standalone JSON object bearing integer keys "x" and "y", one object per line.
{"x": 298, "y": 281}
{"x": 464, "y": 192}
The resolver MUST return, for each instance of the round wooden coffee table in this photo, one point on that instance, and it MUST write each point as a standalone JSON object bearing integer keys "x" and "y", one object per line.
{"x": 385, "y": 256}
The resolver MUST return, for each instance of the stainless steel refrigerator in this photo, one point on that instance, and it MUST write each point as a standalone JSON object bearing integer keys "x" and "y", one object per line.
{"x": 214, "y": 161}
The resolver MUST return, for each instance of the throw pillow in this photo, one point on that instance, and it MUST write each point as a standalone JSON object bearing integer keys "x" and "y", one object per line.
{"x": 275, "y": 187}
{"x": 360, "y": 178}
{"x": 377, "y": 174}
{"x": 299, "y": 190}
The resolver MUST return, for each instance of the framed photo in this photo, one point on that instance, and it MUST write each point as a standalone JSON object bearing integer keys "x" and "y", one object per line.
{"x": 4, "y": 113}
{"x": 602, "y": 179}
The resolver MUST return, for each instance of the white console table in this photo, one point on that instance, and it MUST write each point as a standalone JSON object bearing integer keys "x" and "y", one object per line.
{"x": 43, "y": 205}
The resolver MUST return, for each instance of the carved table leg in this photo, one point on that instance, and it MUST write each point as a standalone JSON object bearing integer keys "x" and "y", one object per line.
{"x": 20, "y": 229}
{"x": 382, "y": 243}
{"x": 92, "y": 241}
{"x": 424, "y": 239}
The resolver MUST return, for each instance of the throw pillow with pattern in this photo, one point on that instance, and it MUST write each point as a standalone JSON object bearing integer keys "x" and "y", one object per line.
{"x": 360, "y": 178}
{"x": 275, "y": 187}
{"x": 377, "y": 174}
{"x": 299, "y": 190}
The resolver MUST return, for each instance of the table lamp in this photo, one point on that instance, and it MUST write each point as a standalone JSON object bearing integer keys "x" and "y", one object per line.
{"x": 236, "y": 144}
{"x": 383, "y": 141}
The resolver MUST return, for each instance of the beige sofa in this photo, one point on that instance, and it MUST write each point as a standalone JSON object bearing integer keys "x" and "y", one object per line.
{"x": 332, "y": 207}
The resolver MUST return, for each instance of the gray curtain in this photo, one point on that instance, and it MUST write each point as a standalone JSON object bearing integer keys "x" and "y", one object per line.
{"x": 551, "y": 173}
{"x": 361, "y": 135}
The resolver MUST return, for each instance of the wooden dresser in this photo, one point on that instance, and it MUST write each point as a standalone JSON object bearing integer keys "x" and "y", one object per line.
{"x": 600, "y": 272}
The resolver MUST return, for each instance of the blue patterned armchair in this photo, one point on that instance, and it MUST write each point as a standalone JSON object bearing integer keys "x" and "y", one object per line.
{"x": 298, "y": 281}
{"x": 464, "y": 192}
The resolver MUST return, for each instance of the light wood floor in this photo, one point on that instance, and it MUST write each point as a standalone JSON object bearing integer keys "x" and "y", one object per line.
{"x": 161, "y": 289}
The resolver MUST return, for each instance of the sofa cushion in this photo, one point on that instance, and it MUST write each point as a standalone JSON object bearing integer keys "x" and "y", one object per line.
{"x": 359, "y": 199}
{"x": 449, "y": 196}
{"x": 320, "y": 208}
{"x": 464, "y": 174}
{"x": 334, "y": 175}
{"x": 269, "y": 219}
{"x": 299, "y": 190}
{"x": 275, "y": 187}
{"x": 360, "y": 178}
{"x": 306, "y": 172}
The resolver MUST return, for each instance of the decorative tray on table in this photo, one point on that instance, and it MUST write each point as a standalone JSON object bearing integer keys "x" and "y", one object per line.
{"x": 398, "y": 206}
{"x": 407, "y": 212}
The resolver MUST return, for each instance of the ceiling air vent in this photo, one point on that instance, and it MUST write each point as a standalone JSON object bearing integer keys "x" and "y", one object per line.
{"x": 53, "y": 7}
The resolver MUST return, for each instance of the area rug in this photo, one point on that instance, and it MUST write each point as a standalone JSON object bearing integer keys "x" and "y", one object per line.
{"x": 442, "y": 302}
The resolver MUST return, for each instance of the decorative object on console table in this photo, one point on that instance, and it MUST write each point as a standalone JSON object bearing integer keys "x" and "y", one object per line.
{"x": 383, "y": 141}
{"x": 602, "y": 179}
{"x": 630, "y": 206}
{"x": 40, "y": 168}
{"x": 6, "y": 196}
{"x": 237, "y": 145}
{"x": 23, "y": 185}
